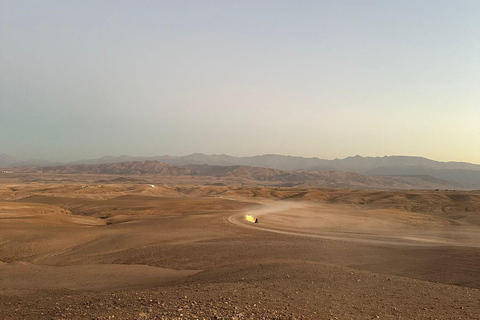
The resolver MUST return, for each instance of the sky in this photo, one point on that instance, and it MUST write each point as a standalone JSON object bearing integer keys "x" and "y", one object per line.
{"x": 329, "y": 79}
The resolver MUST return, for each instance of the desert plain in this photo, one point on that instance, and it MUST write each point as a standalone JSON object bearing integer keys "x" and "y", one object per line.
{"x": 125, "y": 250}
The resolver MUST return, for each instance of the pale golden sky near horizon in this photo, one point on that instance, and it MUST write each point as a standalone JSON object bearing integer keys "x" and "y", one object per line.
{"x": 331, "y": 79}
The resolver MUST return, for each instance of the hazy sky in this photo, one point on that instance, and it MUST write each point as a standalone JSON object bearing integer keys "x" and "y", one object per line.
{"x": 83, "y": 79}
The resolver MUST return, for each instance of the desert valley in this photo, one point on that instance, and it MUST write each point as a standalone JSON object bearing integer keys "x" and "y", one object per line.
{"x": 164, "y": 160}
{"x": 147, "y": 240}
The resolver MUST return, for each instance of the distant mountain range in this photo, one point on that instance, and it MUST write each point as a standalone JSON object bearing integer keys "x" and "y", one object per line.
{"x": 460, "y": 173}
{"x": 8, "y": 161}
{"x": 249, "y": 175}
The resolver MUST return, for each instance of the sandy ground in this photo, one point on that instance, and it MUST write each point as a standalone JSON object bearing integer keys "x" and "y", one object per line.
{"x": 142, "y": 252}
{"x": 377, "y": 226}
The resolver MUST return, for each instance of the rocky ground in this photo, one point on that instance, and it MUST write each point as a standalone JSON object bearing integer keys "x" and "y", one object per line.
{"x": 128, "y": 252}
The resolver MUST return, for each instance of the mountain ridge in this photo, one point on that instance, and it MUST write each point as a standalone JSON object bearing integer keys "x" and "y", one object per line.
{"x": 459, "y": 172}
{"x": 250, "y": 175}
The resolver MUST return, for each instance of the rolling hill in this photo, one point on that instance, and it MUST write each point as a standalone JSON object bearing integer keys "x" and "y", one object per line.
{"x": 250, "y": 175}
{"x": 460, "y": 173}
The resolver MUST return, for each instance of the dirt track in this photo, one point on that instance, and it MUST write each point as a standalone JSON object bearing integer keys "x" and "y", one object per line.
{"x": 337, "y": 222}
{"x": 137, "y": 252}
